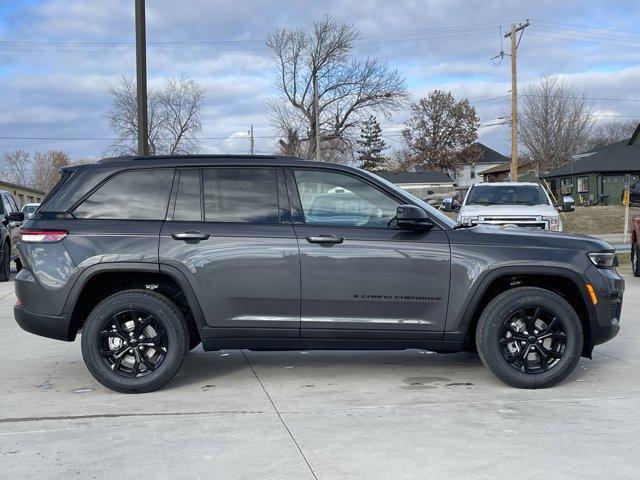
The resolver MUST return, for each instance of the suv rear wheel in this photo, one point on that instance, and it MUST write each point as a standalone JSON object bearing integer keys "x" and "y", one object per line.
{"x": 134, "y": 341}
{"x": 529, "y": 337}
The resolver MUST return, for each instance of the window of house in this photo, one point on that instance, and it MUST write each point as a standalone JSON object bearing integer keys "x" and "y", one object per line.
{"x": 241, "y": 195}
{"x": 566, "y": 186}
{"x": 583, "y": 184}
{"x": 135, "y": 195}
{"x": 330, "y": 198}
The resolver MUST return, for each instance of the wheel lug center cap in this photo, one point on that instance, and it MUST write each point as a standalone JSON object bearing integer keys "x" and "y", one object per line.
{"x": 532, "y": 339}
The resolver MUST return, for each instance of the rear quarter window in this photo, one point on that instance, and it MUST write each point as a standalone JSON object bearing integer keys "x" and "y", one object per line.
{"x": 133, "y": 195}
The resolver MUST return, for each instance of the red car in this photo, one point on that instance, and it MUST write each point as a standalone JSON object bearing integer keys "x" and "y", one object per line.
{"x": 635, "y": 245}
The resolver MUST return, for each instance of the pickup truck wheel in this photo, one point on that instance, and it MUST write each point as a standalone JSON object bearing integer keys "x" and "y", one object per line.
{"x": 529, "y": 337}
{"x": 5, "y": 263}
{"x": 635, "y": 261}
{"x": 134, "y": 341}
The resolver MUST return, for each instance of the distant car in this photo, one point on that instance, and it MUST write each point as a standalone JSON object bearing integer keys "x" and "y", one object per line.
{"x": 9, "y": 234}
{"x": 521, "y": 204}
{"x": 29, "y": 208}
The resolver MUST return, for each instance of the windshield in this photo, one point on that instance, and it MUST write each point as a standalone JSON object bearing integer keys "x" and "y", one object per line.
{"x": 441, "y": 217}
{"x": 506, "y": 195}
{"x": 29, "y": 208}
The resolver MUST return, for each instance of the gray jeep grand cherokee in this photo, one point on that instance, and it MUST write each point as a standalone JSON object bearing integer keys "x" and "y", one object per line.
{"x": 151, "y": 256}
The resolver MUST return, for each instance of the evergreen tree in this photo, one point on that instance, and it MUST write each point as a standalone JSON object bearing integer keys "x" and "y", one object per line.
{"x": 371, "y": 145}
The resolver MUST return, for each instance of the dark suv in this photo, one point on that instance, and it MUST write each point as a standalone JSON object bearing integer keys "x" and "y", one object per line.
{"x": 151, "y": 256}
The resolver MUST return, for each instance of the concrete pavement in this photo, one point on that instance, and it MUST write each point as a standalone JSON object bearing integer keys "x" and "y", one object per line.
{"x": 327, "y": 415}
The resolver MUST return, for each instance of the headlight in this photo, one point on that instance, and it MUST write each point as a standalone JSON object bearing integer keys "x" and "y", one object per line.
{"x": 467, "y": 219}
{"x": 603, "y": 260}
{"x": 554, "y": 223}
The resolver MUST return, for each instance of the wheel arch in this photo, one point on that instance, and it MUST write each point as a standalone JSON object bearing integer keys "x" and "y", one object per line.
{"x": 100, "y": 281}
{"x": 565, "y": 282}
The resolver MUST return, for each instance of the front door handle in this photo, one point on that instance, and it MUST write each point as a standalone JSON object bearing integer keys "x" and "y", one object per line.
{"x": 325, "y": 239}
{"x": 190, "y": 236}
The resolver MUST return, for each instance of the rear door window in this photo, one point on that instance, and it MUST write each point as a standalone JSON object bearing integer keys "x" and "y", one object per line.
{"x": 134, "y": 195}
{"x": 188, "y": 197}
{"x": 241, "y": 195}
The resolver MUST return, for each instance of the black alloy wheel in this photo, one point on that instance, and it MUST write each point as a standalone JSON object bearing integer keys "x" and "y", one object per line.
{"x": 533, "y": 340}
{"x": 530, "y": 337}
{"x": 133, "y": 343}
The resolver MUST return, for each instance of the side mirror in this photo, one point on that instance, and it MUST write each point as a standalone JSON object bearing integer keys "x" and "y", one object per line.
{"x": 410, "y": 217}
{"x": 15, "y": 217}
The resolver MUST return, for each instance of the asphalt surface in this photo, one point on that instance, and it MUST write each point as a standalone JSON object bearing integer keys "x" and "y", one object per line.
{"x": 328, "y": 415}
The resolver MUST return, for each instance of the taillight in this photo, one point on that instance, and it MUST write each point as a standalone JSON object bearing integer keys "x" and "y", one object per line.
{"x": 34, "y": 235}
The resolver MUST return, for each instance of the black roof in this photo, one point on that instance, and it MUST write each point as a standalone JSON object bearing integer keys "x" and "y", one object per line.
{"x": 617, "y": 157}
{"x": 424, "y": 176}
{"x": 489, "y": 155}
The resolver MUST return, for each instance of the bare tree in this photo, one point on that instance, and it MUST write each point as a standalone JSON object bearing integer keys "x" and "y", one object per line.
{"x": 174, "y": 113}
{"x": 554, "y": 123}
{"x": 348, "y": 89}
{"x": 441, "y": 132}
{"x": 16, "y": 166}
{"x": 612, "y": 132}
{"x": 46, "y": 167}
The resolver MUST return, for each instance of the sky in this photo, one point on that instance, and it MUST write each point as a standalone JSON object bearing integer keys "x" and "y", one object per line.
{"x": 58, "y": 58}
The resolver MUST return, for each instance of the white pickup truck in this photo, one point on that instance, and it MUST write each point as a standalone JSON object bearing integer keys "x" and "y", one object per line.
{"x": 522, "y": 204}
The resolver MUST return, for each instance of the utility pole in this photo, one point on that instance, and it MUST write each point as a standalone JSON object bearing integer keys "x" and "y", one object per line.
{"x": 316, "y": 114}
{"x": 514, "y": 96}
{"x": 141, "y": 79}
{"x": 251, "y": 142}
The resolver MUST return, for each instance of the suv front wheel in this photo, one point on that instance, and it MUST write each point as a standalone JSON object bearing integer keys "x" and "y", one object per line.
{"x": 529, "y": 337}
{"x": 134, "y": 341}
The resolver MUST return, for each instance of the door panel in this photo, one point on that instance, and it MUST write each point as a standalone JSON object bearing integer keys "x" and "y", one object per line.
{"x": 245, "y": 276}
{"x": 376, "y": 279}
{"x": 361, "y": 276}
{"x": 243, "y": 262}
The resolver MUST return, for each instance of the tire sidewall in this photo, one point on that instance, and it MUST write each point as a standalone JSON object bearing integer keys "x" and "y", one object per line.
{"x": 634, "y": 255}
{"x": 501, "y": 308}
{"x": 164, "y": 311}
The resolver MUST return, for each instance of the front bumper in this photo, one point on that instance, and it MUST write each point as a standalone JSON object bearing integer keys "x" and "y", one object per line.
{"x": 609, "y": 287}
{"x": 50, "y": 326}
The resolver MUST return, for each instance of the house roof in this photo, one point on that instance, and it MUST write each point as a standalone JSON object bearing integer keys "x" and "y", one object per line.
{"x": 634, "y": 138}
{"x": 617, "y": 157}
{"x": 505, "y": 167}
{"x": 489, "y": 155}
{"x": 15, "y": 186}
{"x": 424, "y": 176}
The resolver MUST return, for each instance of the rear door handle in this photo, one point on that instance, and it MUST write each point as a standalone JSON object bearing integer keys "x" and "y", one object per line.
{"x": 190, "y": 236}
{"x": 325, "y": 239}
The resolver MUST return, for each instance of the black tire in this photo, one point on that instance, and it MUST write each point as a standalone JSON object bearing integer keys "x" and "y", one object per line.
{"x": 169, "y": 330}
{"x": 635, "y": 259}
{"x": 18, "y": 265}
{"x": 506, "y": 318}
{"x": 5, "y": 262}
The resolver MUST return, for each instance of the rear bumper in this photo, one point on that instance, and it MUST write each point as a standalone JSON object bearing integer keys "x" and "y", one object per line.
{"x": 50, "y": 326}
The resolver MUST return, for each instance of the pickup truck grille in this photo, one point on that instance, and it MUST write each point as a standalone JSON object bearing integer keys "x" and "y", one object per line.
{"x": 535, "y": 223}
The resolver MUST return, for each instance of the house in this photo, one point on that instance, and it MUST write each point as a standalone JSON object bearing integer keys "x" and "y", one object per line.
{"x": 469, "y": 174}
{"x": 22, "y": 194}
{"x": 502, "y": 172}
{"x": 421, "y": 182}
{"x": 601, "y": 171}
